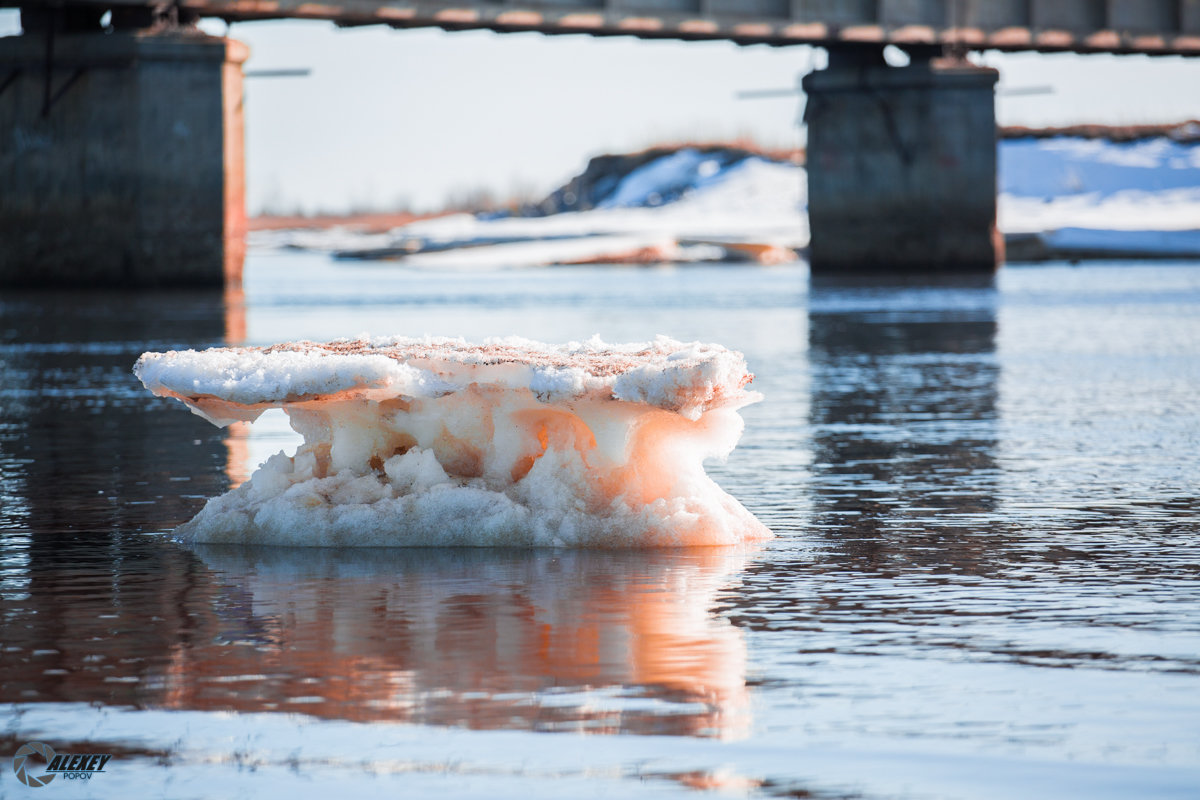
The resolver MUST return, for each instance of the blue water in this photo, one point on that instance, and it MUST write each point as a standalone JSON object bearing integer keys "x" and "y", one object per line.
{"x": 985, "y": 581}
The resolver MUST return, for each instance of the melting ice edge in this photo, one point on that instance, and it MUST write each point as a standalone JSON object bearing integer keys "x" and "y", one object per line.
{"x": 428, "y": 442}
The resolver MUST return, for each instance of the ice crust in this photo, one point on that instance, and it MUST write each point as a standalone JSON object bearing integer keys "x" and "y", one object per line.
{"x": 413, "y": 442}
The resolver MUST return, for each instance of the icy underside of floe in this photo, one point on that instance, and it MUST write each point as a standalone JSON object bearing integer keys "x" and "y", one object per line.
{"x": 414, "y": 442}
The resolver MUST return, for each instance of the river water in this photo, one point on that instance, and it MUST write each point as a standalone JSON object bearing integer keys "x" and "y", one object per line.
{"x": 985, "y": 581}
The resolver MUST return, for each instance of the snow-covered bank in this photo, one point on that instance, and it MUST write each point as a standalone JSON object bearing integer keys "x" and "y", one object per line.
{"x": 752, "y": 200}
{"x": 1061, "y": 196}
{"x": 1088, "y": 198}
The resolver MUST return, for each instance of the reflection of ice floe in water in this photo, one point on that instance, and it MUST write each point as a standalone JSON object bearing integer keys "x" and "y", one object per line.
{"x": 437, "y": 442}
{"x": 613, "y": 642}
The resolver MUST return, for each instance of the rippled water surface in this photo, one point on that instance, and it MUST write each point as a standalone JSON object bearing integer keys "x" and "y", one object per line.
{"x": 985, "y": 582}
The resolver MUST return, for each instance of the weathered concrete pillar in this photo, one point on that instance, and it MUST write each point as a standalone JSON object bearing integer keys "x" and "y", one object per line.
{"x": 122, "y": 159}
{"x": 901, "y": 165}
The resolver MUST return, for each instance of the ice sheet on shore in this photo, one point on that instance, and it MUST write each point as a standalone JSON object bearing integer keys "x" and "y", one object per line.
{"x": 754, "y": 200}
{"x": 1101, "y": 196}
{"x": 1114, "y": 196}
{"x": 441, "y": 442}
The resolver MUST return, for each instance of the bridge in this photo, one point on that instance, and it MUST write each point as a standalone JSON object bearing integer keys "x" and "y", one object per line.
{"x": 1159, "y": 27}
{"x": 126, "y": 122}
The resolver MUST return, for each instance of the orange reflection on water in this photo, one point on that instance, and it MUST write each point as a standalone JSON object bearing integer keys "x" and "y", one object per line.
{"x": 604, "y": 642}
{"x": 237, "y": 445}
{"x": 237, "y": 442}
{"x": 580, "y": 641}
{"x": 235, "y": 314}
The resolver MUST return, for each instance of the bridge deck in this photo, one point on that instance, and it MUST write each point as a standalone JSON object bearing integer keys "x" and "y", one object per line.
{"x": 1165, "y": 27}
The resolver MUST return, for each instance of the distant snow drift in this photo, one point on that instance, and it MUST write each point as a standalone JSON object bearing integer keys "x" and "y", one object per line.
{"x": 686, "y": 206}
{"x": 1101, "y": 196}
{"x": 1089, "y": 194}
{"x": 439, "y": 442}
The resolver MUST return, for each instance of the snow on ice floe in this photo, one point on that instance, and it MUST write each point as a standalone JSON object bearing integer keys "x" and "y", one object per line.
{"x": 442, "y": 442}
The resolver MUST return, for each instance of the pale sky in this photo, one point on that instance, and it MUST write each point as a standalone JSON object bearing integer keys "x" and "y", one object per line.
{"x": 416, "y": 114}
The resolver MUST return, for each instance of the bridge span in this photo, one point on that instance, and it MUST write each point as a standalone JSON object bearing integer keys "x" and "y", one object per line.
{"x": 126, "y": 165}
{"x": 1113, "y": 26}
{"x": 1155, "y": 27}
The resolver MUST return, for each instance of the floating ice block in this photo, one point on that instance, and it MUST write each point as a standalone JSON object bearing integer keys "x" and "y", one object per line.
{"x": 411, "y": 442}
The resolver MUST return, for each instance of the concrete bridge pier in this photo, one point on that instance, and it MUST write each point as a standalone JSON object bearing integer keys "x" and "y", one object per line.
{"x": 122, "y": 159}
{"x": 901, "y": 164}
